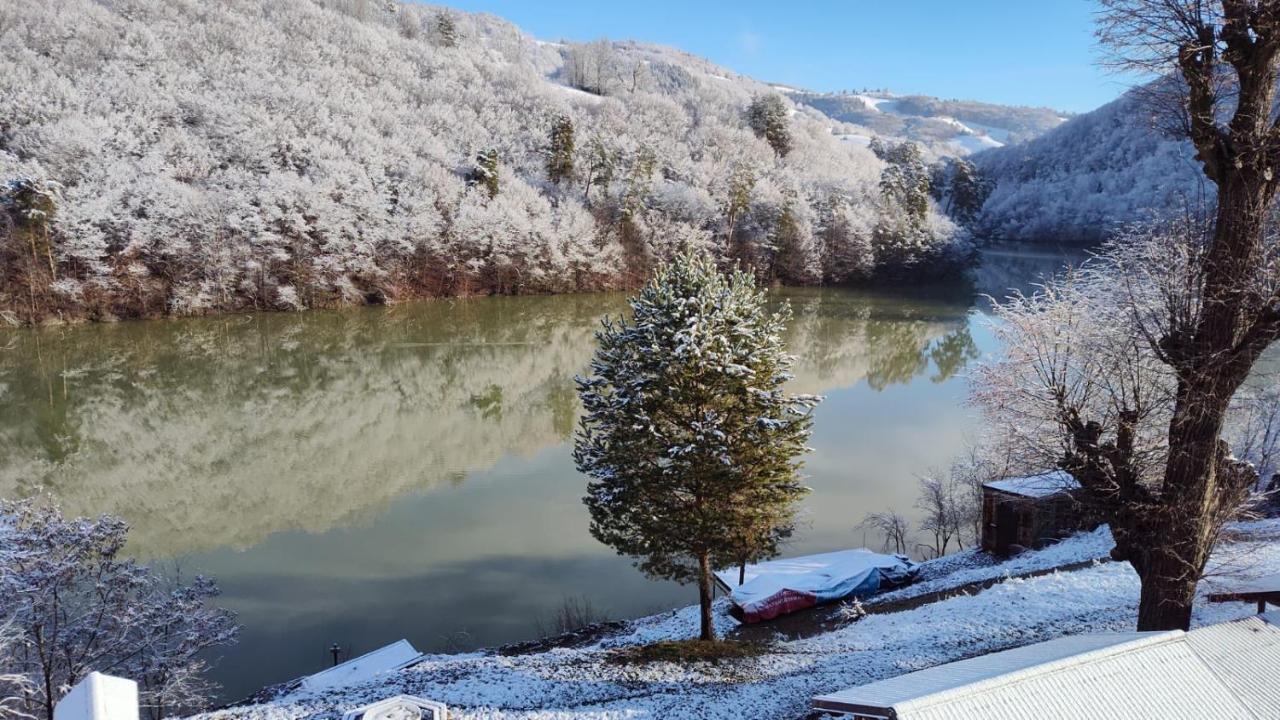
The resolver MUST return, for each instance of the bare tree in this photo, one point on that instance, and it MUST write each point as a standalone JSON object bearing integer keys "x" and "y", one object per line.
{"x": 77, "y": 607}
{"x": 944, "y": 516}
{"x": 892, "y": 526}
{"x": 1104, "y": 375}
{"x": 1226, "y": 56}
{"x": 980, "y": 463}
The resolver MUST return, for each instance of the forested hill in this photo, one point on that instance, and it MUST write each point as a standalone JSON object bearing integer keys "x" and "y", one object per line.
{"x": 1082, "y": 180}
{"x": 190, "y": 156}
{"x": 943, "y": 127}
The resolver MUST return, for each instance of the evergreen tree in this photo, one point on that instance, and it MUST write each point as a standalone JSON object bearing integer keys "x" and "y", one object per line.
{"x": 31, "y": 206}
{"x": 967, "y": 191}
{"x": 789, "y": 243}
{"x": 28, "y": 208}
{"x": 560, "y": 152}
{"x": 767, "y": 116}
{"x": 742, "y": 180}
{"x": 446, "y": 30}
{"x": 901, "y": 234}
{"x": 634, "y": 202}
{"x": 690, "y": 442}
{"x": 485, "y": 172}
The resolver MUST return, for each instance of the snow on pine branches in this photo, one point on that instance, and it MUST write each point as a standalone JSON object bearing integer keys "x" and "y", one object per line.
{"x": 688, "y": 436}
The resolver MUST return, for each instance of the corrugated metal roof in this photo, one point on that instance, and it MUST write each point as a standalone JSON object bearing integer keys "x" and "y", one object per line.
{"x": 1036, "y": 486}
{"x": 1228, "y": 670}
{"x": 1245, "y": 655}
{"x": 1160, "y": 680}
{"x": 889, "y": 693}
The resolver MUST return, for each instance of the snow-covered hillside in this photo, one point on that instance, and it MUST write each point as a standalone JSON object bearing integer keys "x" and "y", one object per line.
{"x": 943, "y": 127}
{"x": 1080, "y": 181}
{"x": 296, "y": 153}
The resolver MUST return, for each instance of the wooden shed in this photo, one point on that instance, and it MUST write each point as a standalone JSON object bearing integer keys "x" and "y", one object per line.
{"x": 1027, "y": 512}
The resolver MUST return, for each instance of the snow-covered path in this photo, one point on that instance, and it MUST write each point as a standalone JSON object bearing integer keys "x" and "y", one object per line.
{"x": 583, "y": 683}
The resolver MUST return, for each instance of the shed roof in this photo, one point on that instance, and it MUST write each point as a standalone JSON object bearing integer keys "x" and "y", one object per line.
{"x": 1036, "y": 486}
{"x": 1220, "y": 671}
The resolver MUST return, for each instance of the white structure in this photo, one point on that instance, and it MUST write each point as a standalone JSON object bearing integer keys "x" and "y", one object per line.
{"x": 357, "y": 670}
{"x": 99, "y": 697}
{"x": 1228, "y": 670}
{"x": 400, "y": 707}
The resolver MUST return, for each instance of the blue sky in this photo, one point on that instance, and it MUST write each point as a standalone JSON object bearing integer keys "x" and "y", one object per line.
{"x": 1022, "y": 52}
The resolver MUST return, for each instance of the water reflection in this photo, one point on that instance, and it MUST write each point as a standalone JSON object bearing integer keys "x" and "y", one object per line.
{"x": 371, "y": 474}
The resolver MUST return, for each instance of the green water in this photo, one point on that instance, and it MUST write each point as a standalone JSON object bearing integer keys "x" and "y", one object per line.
{"x": 371, "y": 474}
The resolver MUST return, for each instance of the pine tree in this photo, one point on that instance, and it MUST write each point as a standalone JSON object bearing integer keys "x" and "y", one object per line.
{"x": 688, "y": 438}
{"x": 967, "y": 191}
{"x": 634, "y": 201}
{"x": 485, "y": 172}
{"x": 900, "y": 236}
{"x": 792, "y": 259}
{"x": 560, "y": 152}
{"x": 767, "y": 116}
{"x": 28, "y": 208}
{"x": 446, "y": 30}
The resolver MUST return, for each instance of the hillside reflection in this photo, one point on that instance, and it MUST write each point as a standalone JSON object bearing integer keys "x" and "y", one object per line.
{"x": 210, "y": 433}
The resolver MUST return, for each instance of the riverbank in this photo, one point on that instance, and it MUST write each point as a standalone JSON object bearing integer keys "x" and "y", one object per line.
{"x": 586, "y": 681}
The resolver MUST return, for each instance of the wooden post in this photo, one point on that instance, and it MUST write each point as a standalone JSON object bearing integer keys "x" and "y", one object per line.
{"x": 99, "y": 697}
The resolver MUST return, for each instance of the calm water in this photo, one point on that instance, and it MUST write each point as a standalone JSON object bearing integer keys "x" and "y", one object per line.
{"x": 371, "y": 474}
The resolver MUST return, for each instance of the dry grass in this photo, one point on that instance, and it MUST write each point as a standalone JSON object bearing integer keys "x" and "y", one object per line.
{"x": 686, "y": 651}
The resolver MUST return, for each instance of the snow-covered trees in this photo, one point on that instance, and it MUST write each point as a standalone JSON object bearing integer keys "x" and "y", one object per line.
{"x": 690, "y": 442}
{"x": 249, "y": 161}
{"x": 77, "y": 607}
{"x": 28, "y": 209}
{"x": 485, "y": 172}
{"x": 905, "y": 234}
{"x": 1087, "y": 179}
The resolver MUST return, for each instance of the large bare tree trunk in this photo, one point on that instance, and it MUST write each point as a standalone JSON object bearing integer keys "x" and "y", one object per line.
{"x": 1212, "y": 364}
{"x": 705, "y": 593}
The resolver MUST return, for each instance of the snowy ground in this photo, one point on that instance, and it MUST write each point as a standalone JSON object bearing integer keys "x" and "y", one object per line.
{"x": 583, "y": 683}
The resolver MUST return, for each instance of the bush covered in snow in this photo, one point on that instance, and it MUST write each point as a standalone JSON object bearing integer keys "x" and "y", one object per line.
{"x": 70, "y": 605}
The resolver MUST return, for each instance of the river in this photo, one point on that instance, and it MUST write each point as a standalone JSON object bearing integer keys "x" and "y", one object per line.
{"x": 363, "y": 475}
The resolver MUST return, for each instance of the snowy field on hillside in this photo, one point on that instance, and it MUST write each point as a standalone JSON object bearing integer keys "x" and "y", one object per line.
{"x": 584, "y": 683}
